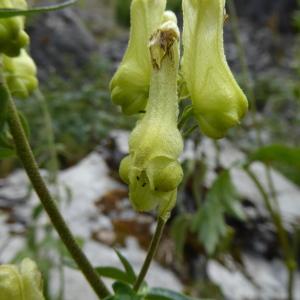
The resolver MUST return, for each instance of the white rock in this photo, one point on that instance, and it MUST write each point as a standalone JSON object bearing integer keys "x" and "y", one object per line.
{"x": 87, "y": 181}
{"x": 267, "y": 280}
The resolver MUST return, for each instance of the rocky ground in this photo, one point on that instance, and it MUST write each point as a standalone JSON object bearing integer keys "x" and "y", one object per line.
{"x": 101, "y": 214}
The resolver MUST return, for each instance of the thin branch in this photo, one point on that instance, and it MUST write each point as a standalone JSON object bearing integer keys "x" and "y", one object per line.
{"x": 151, "y": 252}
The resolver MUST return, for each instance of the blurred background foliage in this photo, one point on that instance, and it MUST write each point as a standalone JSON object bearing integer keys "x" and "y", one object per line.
{"x": 262, "y": 41}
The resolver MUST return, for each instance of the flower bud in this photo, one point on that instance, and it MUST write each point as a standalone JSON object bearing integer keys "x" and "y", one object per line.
{"x": 125, "y": 168}
{"x": 218, "y": 102}
{"x": 21, "y": 74}
{"x": 22, "y": 282}
{"x": 12, "y": 34}
{"x": 130, "y": 84}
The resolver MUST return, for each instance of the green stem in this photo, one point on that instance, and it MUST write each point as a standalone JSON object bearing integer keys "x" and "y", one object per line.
{"x": 53, "y": 167}
{"x": 289, "y": 259}
{"x": 291, "y": 263}
{"x": 26, "y": 156}
{"x": 291, "y": 283}
{"x": 150, "y": 254}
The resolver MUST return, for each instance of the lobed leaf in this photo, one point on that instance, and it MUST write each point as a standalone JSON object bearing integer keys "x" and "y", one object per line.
{"x": 209, "y": 222}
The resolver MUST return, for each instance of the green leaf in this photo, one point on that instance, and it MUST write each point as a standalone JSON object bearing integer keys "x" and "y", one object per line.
{"x": 113, "y": 273}
{"x": 227, "y": 193}
{"x": 10, "y": 12}
{"x": 6, "y": 148}
{"x": 164, "y": 294}
{"x": 180, "y": 227}
{"x": 187, "y": 112}
{"x": 209, "y": 222}
{"x": 127, "y": 266}
{"x": 37, "y": 211}
{"x": 6, "y": 153}
{"x": 128, "y": 276}
{"x": 284, "y": 158}
{"x": 123, "y": 292}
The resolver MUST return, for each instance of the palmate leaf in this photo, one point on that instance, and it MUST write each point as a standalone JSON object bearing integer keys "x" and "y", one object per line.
{"x": 11, "y": 12}
{"x": 209, "y": 222}
{"x": 284, "y": 158}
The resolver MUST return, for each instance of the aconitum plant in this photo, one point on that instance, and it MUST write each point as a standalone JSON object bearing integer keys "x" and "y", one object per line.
{"x": 150, "y": 82}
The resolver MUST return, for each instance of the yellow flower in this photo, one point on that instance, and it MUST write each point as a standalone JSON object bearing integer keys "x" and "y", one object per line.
{"x": 12, "y": 34}
{"x": 22, "y": 282}
{"x": 20, "y": 74}
{"x": 130, "y": 84}
{"x": 218, "y": 102}
{"x": 152, "y": 168}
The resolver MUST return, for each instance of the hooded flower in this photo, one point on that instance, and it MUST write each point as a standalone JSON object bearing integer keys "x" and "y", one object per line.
{"x": 152, "y": 168}
{"x": 218, "y": 102}
{"x": 147, "y": 81}
{"x": 130, "y": 84}
{"x": 21, "y": 74}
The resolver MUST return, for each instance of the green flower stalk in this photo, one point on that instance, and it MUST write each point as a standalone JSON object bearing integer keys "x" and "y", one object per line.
{"x": 130, "y": 84}
{"x": 152, "y": 169}
{"x": 12, "y": 35}
{"x": 22, "y": 282}
{"x": 218, "y": 102}
{"x": 21, "y": 74}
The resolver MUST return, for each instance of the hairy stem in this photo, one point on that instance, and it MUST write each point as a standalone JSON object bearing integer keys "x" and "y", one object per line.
{"x": 26, "y": 156}
{"x": 53, "y": 168}
{"x": 150, "y": 254}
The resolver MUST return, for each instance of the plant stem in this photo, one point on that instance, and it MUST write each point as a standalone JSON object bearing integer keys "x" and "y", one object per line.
{"x": 150, "y": 254}
{"x": 53, "y": 167}
{"x": 289, "y": 258}
{"x": 26, "y": 156}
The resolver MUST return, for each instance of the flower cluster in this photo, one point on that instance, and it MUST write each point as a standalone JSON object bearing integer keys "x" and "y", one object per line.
{"x": 146, "y": 83}
{"x": 18, "y": 68}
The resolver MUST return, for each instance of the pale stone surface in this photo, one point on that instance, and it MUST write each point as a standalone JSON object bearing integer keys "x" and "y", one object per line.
{"x": 267, "y": 280}
{"x": 87, "y": 182}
